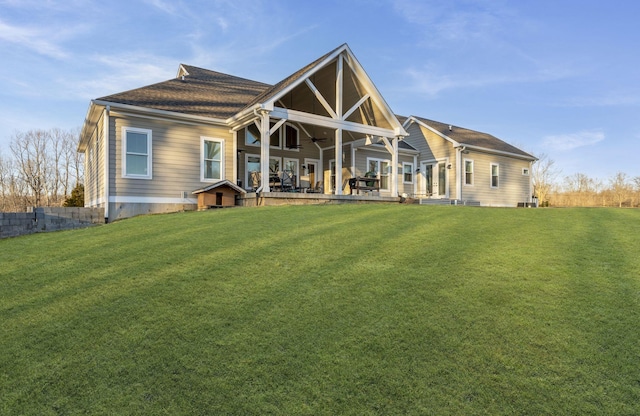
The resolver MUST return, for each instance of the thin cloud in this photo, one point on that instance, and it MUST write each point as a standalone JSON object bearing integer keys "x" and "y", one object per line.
{"x": 609, "y": 100}
{"x": 121, "y": 73}
{"x": 432, "y": 81}
{"x": 37, "y": 40}
{"x": 570, "y": 141}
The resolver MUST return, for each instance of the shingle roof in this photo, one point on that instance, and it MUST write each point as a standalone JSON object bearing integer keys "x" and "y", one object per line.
{"x": 202, "y": 93}
{"x": 472, "y": 138}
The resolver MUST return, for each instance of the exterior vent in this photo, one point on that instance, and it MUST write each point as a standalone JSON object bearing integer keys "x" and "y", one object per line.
{"x": 184, "y": 195}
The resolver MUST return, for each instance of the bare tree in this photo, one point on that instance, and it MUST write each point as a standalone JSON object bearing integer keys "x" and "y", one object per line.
{"x": 620, "y": 188}
{"x": 5, "y": 172}
{"x": 30, "y": 154}
{"x": 543, "y": 175}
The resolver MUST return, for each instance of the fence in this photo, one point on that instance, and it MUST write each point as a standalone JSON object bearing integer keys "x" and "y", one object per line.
{"x": 13, "y": 224}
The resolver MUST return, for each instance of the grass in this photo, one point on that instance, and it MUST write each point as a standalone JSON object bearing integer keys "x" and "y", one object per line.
{"x": 355, "y": 310}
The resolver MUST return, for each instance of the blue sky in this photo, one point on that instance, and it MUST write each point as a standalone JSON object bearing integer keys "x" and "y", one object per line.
{"x": 558, "y": 77}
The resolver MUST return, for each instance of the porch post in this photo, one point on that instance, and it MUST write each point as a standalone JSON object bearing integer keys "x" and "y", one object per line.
{"x": 394, "y": 169}
{"x": 459, "y": 173}
{"x": 264, "y": 150}
{"x": 338, "y": 155}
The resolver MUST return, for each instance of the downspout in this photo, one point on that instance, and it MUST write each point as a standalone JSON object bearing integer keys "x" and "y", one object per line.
{"x": 530, "y": 184}
{"x": 459, "y": 174}
{"x": 106, "y": 161}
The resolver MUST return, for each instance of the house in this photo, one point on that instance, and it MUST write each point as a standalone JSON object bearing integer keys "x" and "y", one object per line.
{"x": 311, "y": 137}
{"x": 467, "y": 166}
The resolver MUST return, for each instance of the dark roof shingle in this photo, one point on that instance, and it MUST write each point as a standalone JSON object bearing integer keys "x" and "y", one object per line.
{"x": 472, "y": 137}
{"x": 201, "y": 93}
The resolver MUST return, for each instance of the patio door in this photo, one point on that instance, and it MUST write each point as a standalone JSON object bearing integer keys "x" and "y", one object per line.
{"x": 312, "y": 174}
{"x": 434, "y": 179}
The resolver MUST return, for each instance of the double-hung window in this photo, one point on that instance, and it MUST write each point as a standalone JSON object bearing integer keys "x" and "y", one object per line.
{"x": 212, "y": 163}
{"x": 468, "y": 172}
{"x": 380, "y": 168}
{"x": 495, "y": 174}
{"x": 407, "y": 172}
{"x": 136, "y": 153}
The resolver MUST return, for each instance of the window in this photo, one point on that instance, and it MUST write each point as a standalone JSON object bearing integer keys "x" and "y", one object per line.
{"x": 525, "y": 171}
{"x": 379, "y": 168}
{"x": 253, "y": 171}
{"x": 212, "y": 164}
{"x": 290, "y": 172}
{"x": 407, "y": 172}
{"x": 253, "y": 174}
{"x": 274, "y": 140}
{"x": 252, "y": 135}
{"x": 136, "y": 153}
{"x": 291, "y": 137}
{"x": 495, "y": 171}
{"x": 468, "y": 172}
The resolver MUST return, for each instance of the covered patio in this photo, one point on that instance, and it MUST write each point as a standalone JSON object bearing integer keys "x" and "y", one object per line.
{"x": 306, "y": 134}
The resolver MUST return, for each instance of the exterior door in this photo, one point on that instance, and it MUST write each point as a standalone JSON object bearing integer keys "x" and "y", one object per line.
{"x": 434, "y": 179}
{"x": 312, "y": 175}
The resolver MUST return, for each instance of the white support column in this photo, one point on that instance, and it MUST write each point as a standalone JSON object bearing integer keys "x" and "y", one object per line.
{"x": 394, "y": 170}
{"x": 339, "y": 112}
{"x": 459, "y": 173}
{"x": 264, "y": 150}
{"x": 338, "y": 156}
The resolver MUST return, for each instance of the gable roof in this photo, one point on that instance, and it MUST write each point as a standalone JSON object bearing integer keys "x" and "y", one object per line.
{"x": 291, "y": 79}
{"x": 220, "y": 184}
{"x": 198, "y": 92}
{"x": 461, "y": 136}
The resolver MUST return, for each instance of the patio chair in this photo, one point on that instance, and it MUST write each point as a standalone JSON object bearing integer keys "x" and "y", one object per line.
{"x": 288, "y": 181}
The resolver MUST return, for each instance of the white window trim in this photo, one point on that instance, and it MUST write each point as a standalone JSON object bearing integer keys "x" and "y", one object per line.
{"x": 491, "y": 175}
{"x": 246, "y": 137}
{"x": 464, "y": 173}
{"x": 525, "y": 171}
{"x": 149, "y": 174}
{"x": 297, "y": 172}
{"x": 411, "y": 169}
{"x": 202, "y": 164}
{"x": 246, "y": 168}
{"x": 387, "y": 174}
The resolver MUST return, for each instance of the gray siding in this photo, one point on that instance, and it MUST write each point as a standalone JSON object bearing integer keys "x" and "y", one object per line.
{"x": 176, "y": 158}
{"x": 94, "y": 167}
{"x": 432, "y": 147}
{"x": 513, "y": 186}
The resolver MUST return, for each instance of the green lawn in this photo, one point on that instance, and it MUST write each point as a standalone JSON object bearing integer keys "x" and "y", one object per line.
{"x": 326, "y": 310}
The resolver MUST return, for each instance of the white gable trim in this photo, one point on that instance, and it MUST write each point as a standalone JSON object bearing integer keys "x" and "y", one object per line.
{"x": 412, "y": 119}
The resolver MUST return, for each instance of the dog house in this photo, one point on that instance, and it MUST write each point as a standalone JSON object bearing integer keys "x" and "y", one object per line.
{"x": 218, "y": 195}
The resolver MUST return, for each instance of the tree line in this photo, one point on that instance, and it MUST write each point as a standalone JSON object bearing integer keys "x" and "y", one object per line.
{"x": 41, "y": 168}
{"x": 580, "y": 190}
